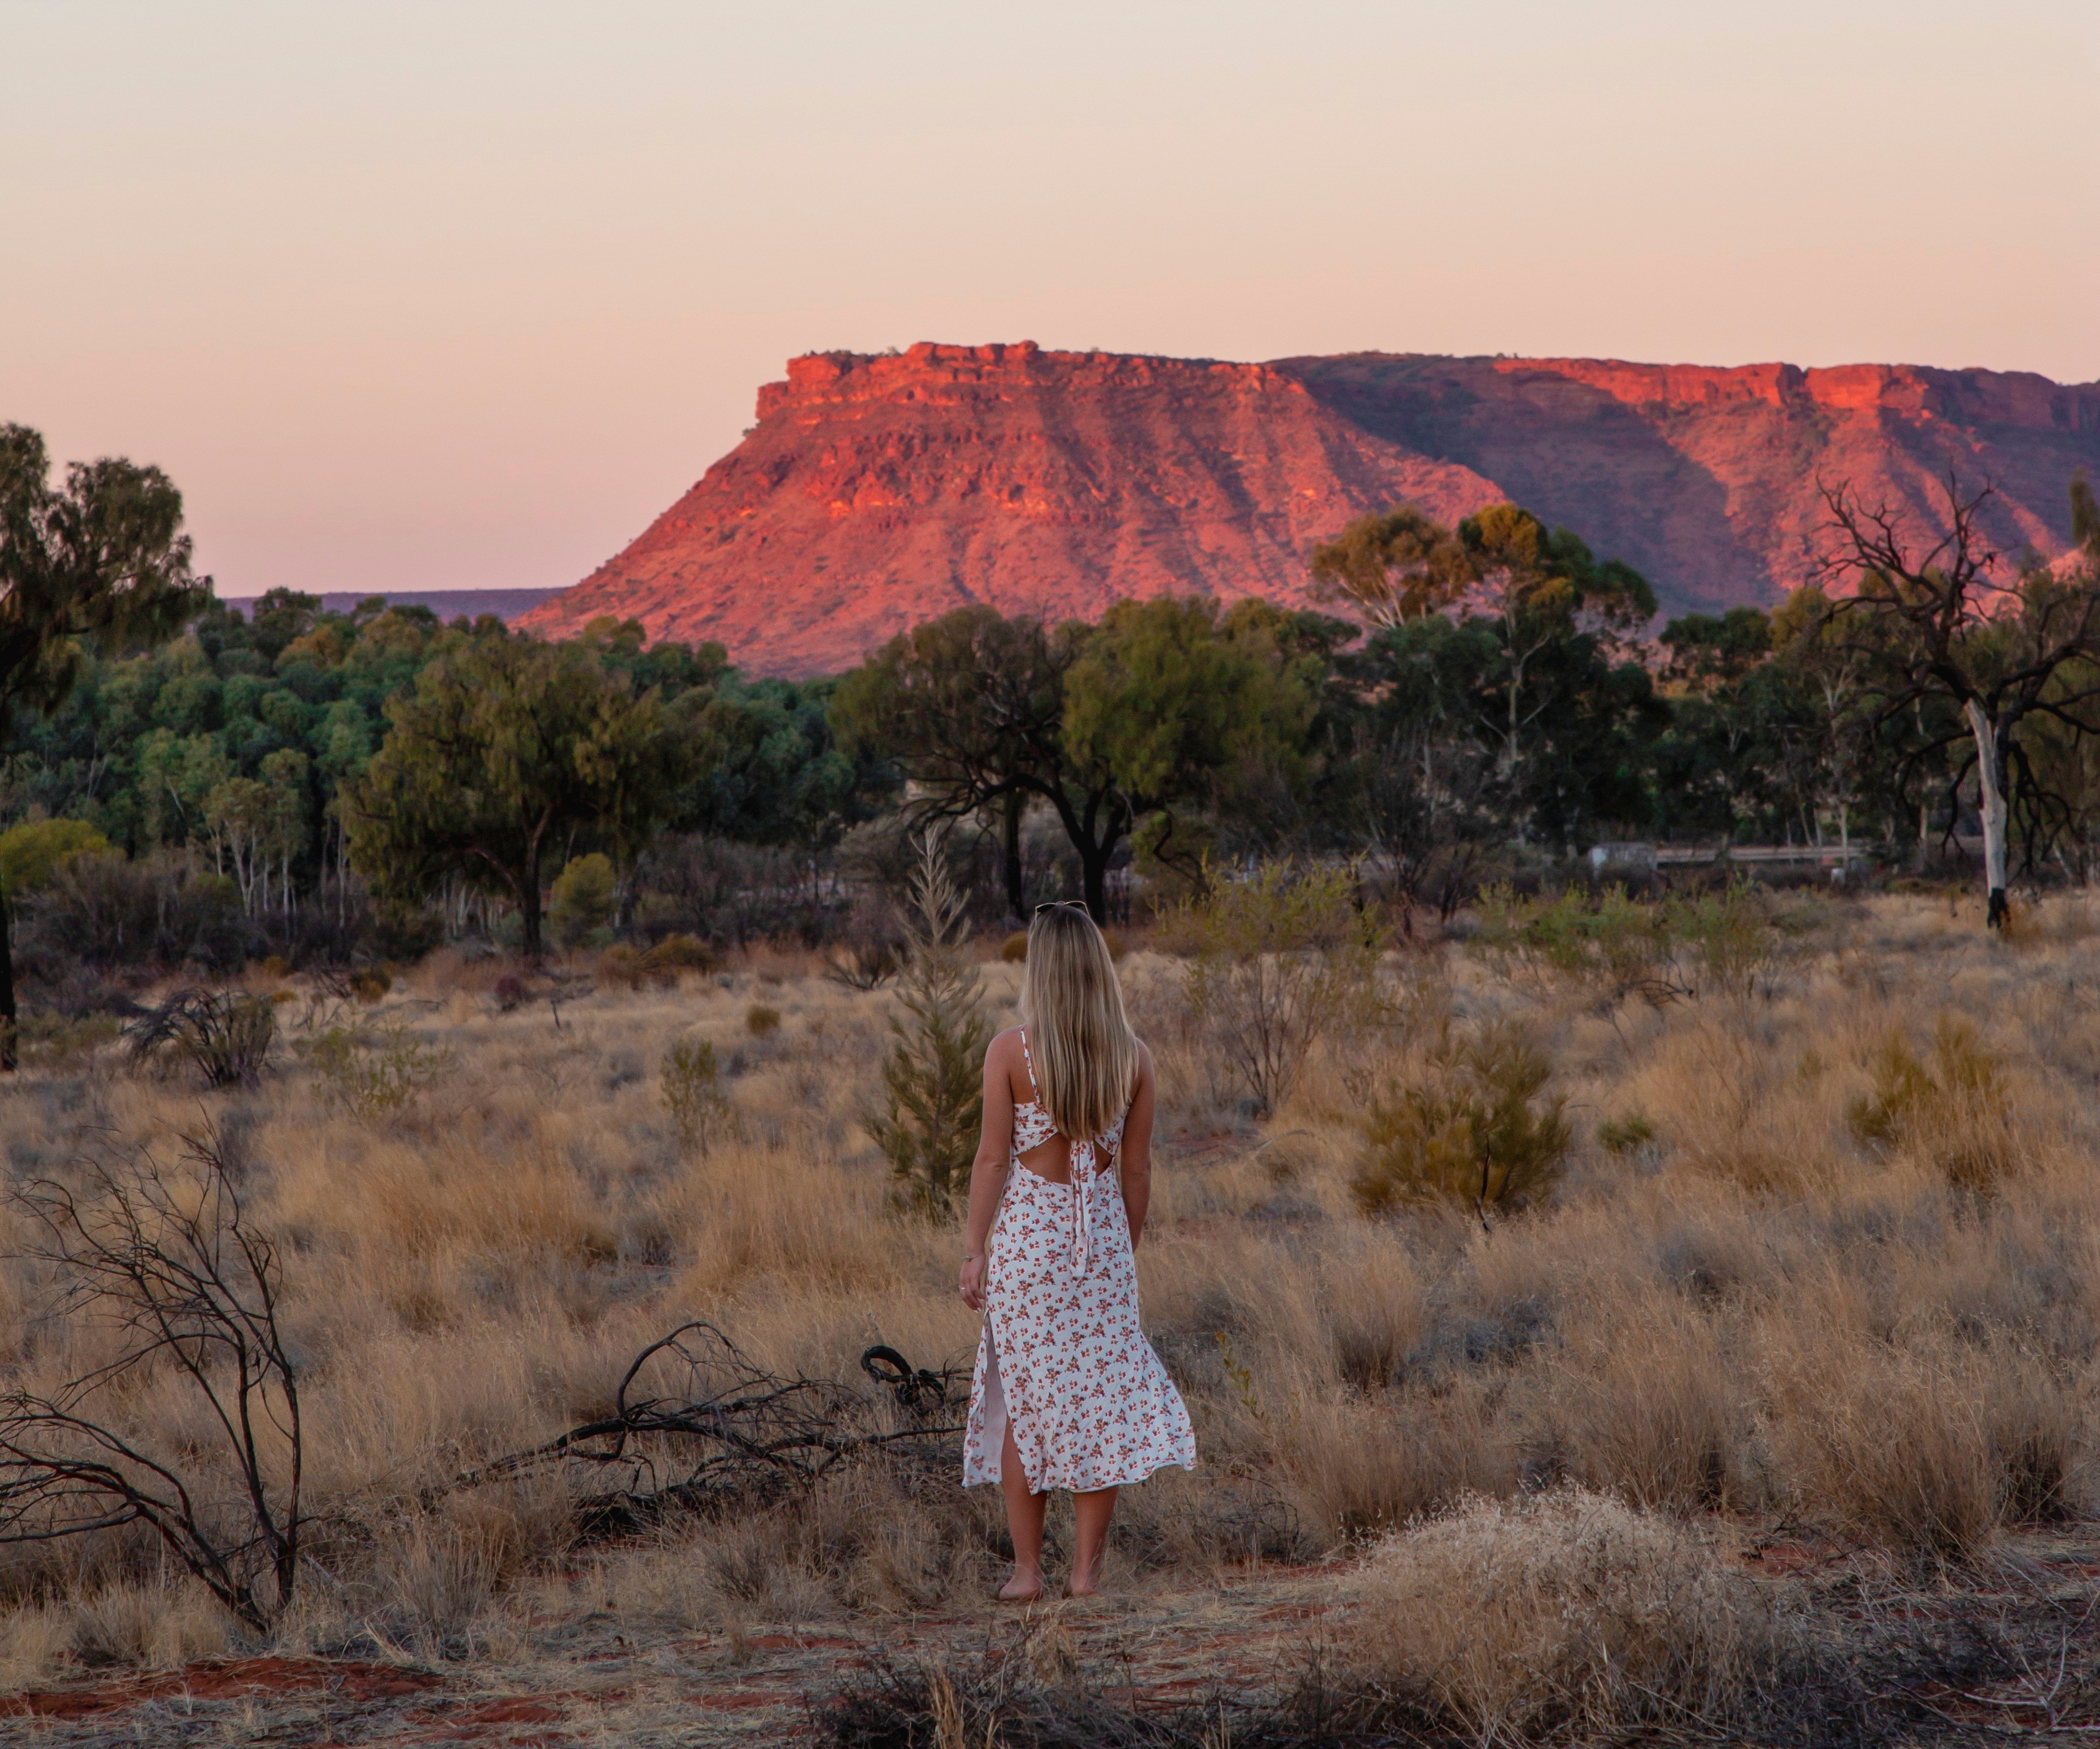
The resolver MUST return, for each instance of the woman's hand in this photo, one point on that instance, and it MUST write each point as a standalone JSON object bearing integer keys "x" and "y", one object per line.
{"x": 972, "y": 1286}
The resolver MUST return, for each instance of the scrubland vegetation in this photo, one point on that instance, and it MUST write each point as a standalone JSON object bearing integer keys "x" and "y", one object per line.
{"x": 483, "y": 1156}
{"x": 1536, "y": 1305}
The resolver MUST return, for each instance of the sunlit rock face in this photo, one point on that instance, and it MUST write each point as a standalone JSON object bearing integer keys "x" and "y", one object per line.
{"x": 874, "y": 492}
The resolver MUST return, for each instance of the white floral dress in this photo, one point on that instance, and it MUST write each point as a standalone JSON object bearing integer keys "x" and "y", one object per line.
{"x": 1061, "y": 1352}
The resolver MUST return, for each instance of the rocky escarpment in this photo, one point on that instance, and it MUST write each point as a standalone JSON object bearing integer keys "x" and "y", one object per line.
{"x": 877, "y": 491}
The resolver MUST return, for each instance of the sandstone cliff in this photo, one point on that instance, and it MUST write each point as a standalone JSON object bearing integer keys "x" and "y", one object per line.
{"x": 875, "y": 492}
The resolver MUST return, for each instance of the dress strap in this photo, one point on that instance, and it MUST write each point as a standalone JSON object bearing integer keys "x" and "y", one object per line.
{"x": 1031, "y": 1061}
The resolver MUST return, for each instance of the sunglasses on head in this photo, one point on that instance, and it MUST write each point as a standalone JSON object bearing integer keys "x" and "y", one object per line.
{"x": 1059, "y": 905}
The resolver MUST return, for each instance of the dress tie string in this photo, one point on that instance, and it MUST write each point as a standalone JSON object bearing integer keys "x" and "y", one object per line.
{"x": 1082, "y": 1205}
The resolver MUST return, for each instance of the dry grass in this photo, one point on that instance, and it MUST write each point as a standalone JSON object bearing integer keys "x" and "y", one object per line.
{"x": 1764, "y": 1310}
{"x": 1567, "y": 1614}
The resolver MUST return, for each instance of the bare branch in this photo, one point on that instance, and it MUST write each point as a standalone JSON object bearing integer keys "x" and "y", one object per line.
{"x": 172, "y": 1265}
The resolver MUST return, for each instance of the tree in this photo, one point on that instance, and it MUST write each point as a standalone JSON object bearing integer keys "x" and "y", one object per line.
{"x": 505, "y": 749}
{"x": 1140, "y": 722}
{"x": 1166, "y": 709}
{"x": 102, "y": 562}
{"x": 1538, "y": 589}
{"x": 1506, "y": 694}
{"x": 973, "y": 704}
{"x": 1932, "y": 624}
{"x": 1394, "y": 568}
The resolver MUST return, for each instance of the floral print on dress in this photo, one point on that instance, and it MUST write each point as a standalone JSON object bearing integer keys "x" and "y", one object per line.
{"x": 1061, "y": 1352}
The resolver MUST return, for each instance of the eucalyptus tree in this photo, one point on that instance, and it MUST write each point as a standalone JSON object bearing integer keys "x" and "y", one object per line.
{"x": 101, "y": 562}
{"x": 1130, "y": 727}
{"x": 1931, "y": 622}
{"x": 506, "y": 751}
{"x": 1392, "y": 568}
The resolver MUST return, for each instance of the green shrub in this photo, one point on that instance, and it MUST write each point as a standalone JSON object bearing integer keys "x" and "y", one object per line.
{"x": 1469, "y": 1127}
{"x": 371, "y": 1072}
{"x": 1609, "y": 946}
{"x": 693, "y": 1095}
{"x": 1014, "y": 949}
{"x": 1275, "y": 958}
{"x": 582, "y": 898}
{"x": 1730, "y": 934}
{"x": 676, "y": 954}
{"x": 933, "y": 1079}
{"x": 760, "y": 1021}
{"x": 631, "y": 969}
{"x": 33, "y": 852}
{"x": 1625, "y": 1135}
{"x": 51, "y": 1040}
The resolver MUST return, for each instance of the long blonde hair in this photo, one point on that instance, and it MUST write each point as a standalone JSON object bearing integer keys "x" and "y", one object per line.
{"x": 1080, "y": 1039}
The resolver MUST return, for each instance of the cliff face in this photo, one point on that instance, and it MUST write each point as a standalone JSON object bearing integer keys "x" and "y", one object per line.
{"x": 875, "y": 492}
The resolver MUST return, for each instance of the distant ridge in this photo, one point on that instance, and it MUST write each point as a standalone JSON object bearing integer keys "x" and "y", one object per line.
{"x": 875, "y": 492}
{"x": 507, "y": 605}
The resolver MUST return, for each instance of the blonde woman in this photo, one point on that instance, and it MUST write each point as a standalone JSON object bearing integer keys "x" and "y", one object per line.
{"x": 1068, "y": 1392}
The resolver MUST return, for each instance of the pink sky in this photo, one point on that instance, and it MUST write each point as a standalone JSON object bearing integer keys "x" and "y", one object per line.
{"x": 415, "y": 297}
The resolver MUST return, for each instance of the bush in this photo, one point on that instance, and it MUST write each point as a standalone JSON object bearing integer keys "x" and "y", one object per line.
{"x": 863, "y": 965}
{"x": 1567, "y": 1614}
{"x": 509, "y": 992}
{"x": 933, "y": 1080}
{"x": 676, "y": 954}
{"x": 1469, "y": 1130}
{"x": 1730, "y": 934}
{"x": 1275, "y": 957}
{"x": 370, "y": 1074}
{"x": 658, "y": 967}
{"x": 225, "y": 1035}
{"x": 1627, "y": 1135}
{"x": 693, "y": 1095}
{"x": 163, "y": 910}
{"x": 582, "y": 898}
{"x": 725, "y": 891}
{"x": 760, "y": 1021}
{"x": 1609, "y": 946}
{"x": 51, "y": 1040}
{"x": 1014, "y": 949}
{"x": 33, "y": 852}
{"x": 620, "y": 966}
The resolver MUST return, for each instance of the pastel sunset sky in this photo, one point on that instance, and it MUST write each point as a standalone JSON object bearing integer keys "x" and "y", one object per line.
{"x": 457, "y": 294}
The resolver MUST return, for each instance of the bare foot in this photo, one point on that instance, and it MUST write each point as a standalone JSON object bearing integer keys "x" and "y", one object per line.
{"x": 1023, "y": 1587}
{"x": 1082, "y": 1584}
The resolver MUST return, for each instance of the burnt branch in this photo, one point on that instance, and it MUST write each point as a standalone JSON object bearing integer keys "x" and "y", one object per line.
{"x": 697, "y": 1424}
{"x": 165, "y": 1264}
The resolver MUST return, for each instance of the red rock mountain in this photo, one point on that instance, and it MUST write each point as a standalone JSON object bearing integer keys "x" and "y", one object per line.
{"x": 875, "y": 492}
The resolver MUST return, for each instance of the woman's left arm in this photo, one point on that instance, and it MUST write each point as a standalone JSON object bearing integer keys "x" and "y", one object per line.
{"x": 1136, "y": 1161}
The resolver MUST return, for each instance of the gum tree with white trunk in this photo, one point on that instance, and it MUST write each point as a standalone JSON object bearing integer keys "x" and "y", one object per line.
{"x": 1938, "y": 622}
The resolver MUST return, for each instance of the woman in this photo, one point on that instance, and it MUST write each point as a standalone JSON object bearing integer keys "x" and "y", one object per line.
{"x": 1068, "y": 1393}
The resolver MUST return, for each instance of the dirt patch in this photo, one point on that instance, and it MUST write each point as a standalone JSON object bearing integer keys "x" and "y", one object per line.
{"x": 229, "y": 1679}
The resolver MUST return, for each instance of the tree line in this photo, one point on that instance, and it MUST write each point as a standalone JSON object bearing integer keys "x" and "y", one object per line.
{"x": 1466, "y": 698}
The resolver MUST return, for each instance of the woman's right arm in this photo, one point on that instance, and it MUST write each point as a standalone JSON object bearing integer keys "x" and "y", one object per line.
{"x": 987, "y": 1172}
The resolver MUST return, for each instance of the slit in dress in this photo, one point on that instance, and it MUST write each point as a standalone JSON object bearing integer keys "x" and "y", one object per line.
{"x": 993, "y": 1449}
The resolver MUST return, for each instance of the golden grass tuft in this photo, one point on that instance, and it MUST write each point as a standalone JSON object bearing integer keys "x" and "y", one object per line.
{"x": 1567, "y": 1612}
